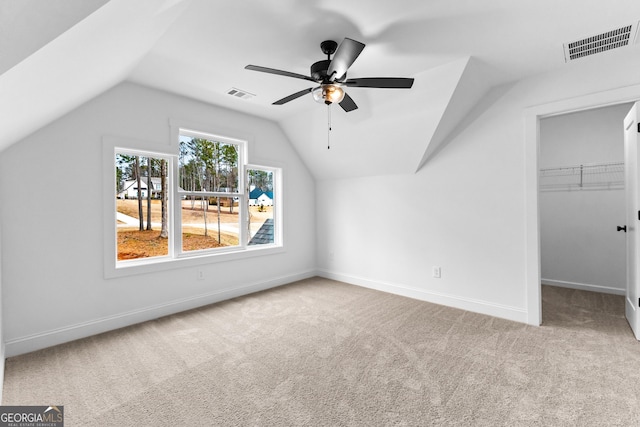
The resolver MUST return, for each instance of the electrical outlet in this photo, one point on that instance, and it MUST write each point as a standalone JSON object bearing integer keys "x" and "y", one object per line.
{"x": 331, "y": 255}
{"x": 437, "y": 272}
{"x": 200, "y": 275}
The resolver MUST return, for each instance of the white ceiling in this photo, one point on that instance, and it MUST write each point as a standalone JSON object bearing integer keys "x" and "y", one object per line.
{"x": 456, "y": 51}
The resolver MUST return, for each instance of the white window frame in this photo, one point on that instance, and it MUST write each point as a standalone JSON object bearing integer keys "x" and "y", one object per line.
{"x": 176, "y": 258}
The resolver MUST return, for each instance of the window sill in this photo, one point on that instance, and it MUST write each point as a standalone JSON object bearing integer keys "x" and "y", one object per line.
{"x": 129, "y": 268}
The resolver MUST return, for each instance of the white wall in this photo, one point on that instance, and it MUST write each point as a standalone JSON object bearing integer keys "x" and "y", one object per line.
{"x": 53, "y": 245}
{"x": 580, "y": 247}
{"x": 465, "y": 211}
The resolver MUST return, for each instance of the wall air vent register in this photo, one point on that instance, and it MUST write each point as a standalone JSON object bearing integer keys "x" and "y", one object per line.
{"x": 619, "y": 37}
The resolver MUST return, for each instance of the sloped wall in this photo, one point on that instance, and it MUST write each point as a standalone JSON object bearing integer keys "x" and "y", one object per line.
{"x": 52, "y": 218}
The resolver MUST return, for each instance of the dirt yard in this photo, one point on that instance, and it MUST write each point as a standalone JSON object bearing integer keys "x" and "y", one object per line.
{"x": 134, "y": 244}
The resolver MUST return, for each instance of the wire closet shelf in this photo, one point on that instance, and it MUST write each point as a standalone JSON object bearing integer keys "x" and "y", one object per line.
{"x": 594, "y": 176}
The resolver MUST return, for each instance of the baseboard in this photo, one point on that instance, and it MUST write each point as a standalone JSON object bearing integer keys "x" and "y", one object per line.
{"x": 477, "y": 306}
{"x": 26, "y": 344}
{"x": 583, "y": 286}
{"x": 630, "y": 313}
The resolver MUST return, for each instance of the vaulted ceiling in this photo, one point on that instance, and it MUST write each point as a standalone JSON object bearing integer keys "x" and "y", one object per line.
{"x": 62, "y": 53}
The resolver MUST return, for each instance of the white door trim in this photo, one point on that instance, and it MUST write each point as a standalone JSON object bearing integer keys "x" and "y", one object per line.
{"x": 631, "y": 162}
{"x": 532, "y": 118}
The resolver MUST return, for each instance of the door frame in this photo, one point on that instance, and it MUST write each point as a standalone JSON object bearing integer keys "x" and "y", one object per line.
{"x": 532, "y": 117}
{"x": 631, "y": 194}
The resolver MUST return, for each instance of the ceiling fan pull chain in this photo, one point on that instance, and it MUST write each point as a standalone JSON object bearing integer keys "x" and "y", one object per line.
{"x": 328, "y": 126}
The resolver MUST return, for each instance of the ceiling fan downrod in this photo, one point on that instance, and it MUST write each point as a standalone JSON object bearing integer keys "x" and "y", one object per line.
{"x": 329, "y": 126}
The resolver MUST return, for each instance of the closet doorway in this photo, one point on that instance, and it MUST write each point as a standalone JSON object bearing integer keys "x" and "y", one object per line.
{"x": 581, "y": 203}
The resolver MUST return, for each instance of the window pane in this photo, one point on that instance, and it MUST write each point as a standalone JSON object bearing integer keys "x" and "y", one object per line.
{"x": 208, "y": 165}
{"x": 261, "y": 206}
{"x": 142, "y": 214}
{"x": 209, "y": 222}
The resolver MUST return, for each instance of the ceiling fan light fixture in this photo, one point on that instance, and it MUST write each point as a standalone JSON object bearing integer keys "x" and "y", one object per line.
{"x": 328, "y": 93}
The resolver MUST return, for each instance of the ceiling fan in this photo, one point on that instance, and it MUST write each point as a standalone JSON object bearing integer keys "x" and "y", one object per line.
{"x": 331, "y": 75}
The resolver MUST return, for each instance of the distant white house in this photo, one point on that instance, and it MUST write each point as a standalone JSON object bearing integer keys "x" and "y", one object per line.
{"x": 130, "y": 189}
{"x": 258, "y": 197}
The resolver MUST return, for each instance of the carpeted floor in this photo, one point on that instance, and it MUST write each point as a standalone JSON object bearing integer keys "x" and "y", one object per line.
{"x": 323, "y": 353}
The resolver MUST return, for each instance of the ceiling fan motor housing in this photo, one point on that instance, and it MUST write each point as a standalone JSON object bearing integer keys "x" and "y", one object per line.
{"x": 319, "y": 72}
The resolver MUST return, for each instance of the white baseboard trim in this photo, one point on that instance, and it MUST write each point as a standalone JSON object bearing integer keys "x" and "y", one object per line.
{"x": 583, "y": 286}
{"x": 477, "y": 306}
{"x": 630, "y": 313}
{"x": 26, "y": 344}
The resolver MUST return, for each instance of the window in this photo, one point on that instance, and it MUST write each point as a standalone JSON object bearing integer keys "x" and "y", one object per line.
{"x": 209, "y": 190}
{"x": 142, "y": 214}
{"x": 200, "y": 203}
{"x": 261, "y": 205}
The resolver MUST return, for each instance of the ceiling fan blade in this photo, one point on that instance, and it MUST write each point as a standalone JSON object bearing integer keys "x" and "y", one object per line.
{"x": 381, "y": 82}
{"x": 292, "y": 97}
{"x": 346, "y": 55}
{"x": 347, "y": 103}
{"x": 278, "y": 72}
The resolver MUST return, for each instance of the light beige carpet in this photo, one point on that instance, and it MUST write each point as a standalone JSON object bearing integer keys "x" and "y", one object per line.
{"x": 323, "y": 353}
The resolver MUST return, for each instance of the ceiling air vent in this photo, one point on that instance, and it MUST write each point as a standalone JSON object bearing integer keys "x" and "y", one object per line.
{"x": 238, "y": 93}
{"x": 613, "y": 39}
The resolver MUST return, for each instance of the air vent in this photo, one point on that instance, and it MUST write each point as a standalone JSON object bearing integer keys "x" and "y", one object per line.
{"x": 613, "y": 39}
{"x": 239, "y": 93}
